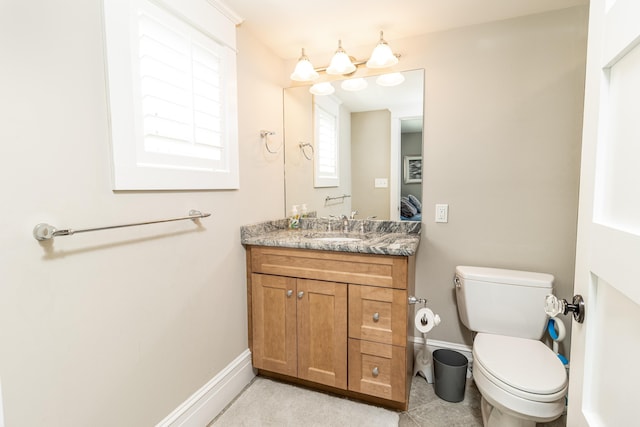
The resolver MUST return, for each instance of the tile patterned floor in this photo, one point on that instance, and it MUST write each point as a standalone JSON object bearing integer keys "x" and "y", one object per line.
{"x": 426, "y": 409}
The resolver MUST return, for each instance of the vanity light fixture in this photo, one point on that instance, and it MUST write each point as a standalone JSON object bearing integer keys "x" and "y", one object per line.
{"x": 304, "y": 71}
{"x": 345, "y": 65}
{"x": 322, "y": 89}
{"x": 382, "y": 55}
{"x": 391, "y": 79}
{"x": 340, "y": 63}
{"x": 353, "y": 85}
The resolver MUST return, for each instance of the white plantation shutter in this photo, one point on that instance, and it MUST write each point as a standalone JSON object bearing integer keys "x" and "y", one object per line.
{"x": 177, "y": 128}
{"x": 327, "y": 144}
{"x": 180, "y": 88}
{"x": 326, "y": 111}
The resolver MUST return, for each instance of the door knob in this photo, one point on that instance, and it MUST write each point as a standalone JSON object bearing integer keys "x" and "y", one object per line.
{"x": 300, "y": 295}
{"x": 289, "y": 293}
{"x": 554, "y": 306}
{"x": 375, "y": 372}
{"x": 376, "y": 316}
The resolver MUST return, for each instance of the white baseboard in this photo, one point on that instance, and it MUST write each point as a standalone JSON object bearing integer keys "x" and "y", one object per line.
{"x": 205, "y": 404}
{"x": 433, "y": 345}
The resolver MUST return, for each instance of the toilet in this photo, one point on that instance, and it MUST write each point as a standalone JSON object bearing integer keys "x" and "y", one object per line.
{"x": 521, "y": 380}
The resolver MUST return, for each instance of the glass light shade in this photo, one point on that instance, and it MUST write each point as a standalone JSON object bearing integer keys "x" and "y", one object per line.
{"x": 322, "y": 89}
{"x": 304, "y": 71}
{"x": 382, "y": 56}
{"x": 391, "y": 79}
{"x": 340, "y": 63}
{"x": 354, "y": 84}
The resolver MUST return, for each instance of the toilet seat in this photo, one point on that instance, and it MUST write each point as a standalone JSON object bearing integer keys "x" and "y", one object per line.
{"x": 521, "y": 367}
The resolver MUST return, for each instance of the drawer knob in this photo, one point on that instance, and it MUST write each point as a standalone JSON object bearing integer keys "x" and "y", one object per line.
{"x": 300, "y": 295}
{"x": 375, "y": 372}
{"x": 376, "y": 316}
{"x": 289, "y": 293}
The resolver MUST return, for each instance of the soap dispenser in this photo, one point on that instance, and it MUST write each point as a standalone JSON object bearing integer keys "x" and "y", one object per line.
{"x": 294, "y": 219}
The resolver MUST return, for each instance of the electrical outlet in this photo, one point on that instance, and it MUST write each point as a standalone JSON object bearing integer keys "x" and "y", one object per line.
{"x": 442, "y": 213}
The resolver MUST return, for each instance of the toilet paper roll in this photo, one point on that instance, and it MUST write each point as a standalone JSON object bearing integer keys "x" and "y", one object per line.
{"x": 426, "y": 320}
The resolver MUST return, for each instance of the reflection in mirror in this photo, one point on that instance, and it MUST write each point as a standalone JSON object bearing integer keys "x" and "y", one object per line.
{"x": 379, "y": 153}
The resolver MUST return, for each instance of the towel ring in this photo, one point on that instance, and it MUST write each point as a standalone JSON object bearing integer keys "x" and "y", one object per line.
{"x": 264, "y": 134}
{"x": 304, "y": 145}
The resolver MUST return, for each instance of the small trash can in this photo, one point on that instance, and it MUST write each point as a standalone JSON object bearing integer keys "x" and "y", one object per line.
{"x": 449, "y": 374}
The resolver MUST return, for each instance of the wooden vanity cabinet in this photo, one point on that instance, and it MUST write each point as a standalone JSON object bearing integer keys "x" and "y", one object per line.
{"x": 336, "y": 321}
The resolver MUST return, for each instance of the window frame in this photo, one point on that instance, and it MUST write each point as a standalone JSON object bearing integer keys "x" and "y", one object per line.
{"x": 331, "y": 106}
{"x": 133, "y": 168}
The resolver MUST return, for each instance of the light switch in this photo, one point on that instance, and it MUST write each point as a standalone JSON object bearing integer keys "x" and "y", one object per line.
{"x": 381, "y": 183}
{"x": 442, "y": 213}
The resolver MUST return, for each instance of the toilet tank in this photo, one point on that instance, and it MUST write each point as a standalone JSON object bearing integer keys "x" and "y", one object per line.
{"x": 504, "y": 302}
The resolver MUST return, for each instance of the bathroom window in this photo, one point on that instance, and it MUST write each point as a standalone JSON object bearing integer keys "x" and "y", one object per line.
{"x": 172, "y": 95}
{"x": 326, "y": 167}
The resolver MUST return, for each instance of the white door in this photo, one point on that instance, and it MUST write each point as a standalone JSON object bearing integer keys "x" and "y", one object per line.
{"x": 604, "y": 374}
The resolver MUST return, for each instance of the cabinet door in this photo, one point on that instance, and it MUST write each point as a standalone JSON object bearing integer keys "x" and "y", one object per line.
{"x": 378, "y": 314}
{"x": 274, "y": 323}
{"x": 322, "y": 332}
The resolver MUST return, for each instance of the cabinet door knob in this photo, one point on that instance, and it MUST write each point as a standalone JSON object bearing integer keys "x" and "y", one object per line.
{"x": 375, "y": 372}
{"x": 289, "y": 293}
{"x": 376, "y": 316}
{"x": 300, "y": 295}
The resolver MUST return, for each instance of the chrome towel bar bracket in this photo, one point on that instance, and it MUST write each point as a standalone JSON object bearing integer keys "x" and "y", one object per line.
{"x": 45, "y": 231}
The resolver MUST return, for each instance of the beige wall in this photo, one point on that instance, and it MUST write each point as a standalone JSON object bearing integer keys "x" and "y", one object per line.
{"x": 503, "y": 110}
{"x": 116, "y": 327}
{"x": 370, "y": 157}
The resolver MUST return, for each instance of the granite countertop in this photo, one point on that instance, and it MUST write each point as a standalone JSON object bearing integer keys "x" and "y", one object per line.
{"x": 364, "y": 236}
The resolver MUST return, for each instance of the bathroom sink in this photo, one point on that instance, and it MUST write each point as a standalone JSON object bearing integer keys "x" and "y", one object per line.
{"x": 337, "y": 239}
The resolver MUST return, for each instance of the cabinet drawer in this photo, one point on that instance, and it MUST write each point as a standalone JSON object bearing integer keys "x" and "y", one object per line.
{"x": 378, "y": 314}
{"x": 377, "y": 369}
{"x": 377, "y": 270}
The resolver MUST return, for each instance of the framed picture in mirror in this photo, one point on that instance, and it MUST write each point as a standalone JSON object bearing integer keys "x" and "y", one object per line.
{"x": 412, "y": 169}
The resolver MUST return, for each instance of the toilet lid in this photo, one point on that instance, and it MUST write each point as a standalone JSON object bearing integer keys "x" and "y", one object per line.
{"x": 523, "y": 364}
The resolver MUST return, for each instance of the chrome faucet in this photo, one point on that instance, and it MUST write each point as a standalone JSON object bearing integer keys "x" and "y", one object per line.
{"x": 353, "y": 214}
{"x": 345, "y": 223}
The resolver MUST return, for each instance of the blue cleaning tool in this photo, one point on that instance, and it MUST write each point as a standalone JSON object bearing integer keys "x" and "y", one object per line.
{"x": 557, "y": 336}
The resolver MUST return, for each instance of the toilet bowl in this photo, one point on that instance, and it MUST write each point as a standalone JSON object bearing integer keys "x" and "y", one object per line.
{"x": 521, "y": 380}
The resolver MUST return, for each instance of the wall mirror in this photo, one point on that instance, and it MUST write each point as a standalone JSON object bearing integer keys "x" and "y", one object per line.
{"x": 378, "y": 155}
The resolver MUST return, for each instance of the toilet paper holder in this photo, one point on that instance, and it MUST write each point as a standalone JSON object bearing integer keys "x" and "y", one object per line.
{"x": 413, "y": 300}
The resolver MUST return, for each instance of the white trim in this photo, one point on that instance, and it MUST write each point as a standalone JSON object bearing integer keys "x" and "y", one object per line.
{"x": 229, "y": 13}
{"x": 394, "y": 168}
{"x": 205, "y": 404}
{"x": 443, "y": 344}
{"x": 205, "y": 24}
{"x": 329, "y": 105}
{"x": 1, "y": 407}
{"x": 433, "y": 345}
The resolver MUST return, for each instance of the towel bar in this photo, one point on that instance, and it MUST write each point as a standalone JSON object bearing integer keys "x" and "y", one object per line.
{"x": 44, "y": 231}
